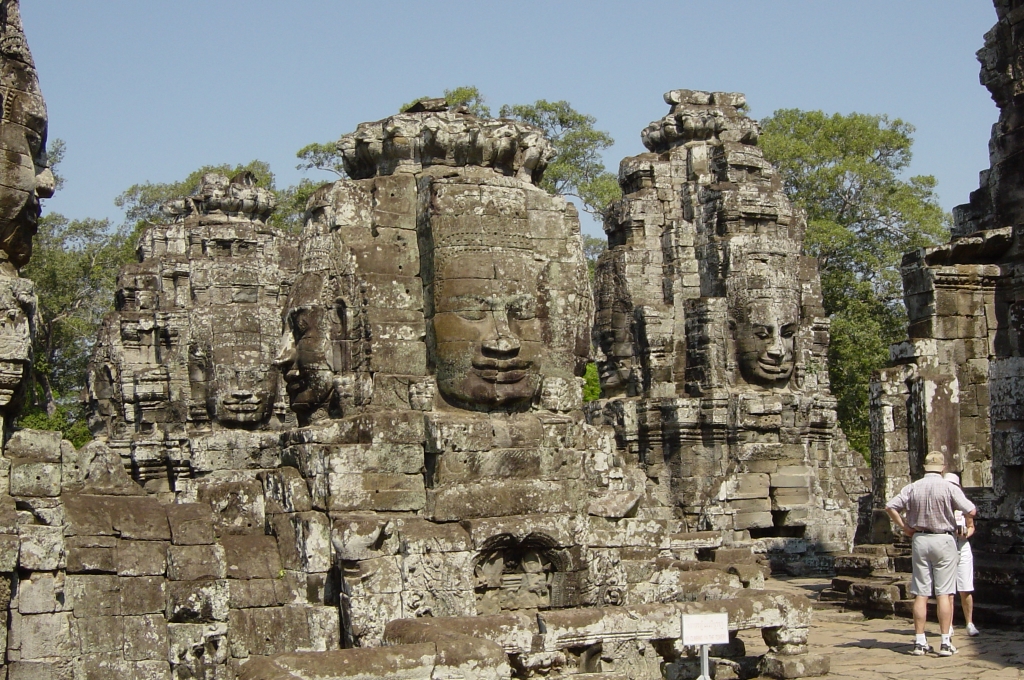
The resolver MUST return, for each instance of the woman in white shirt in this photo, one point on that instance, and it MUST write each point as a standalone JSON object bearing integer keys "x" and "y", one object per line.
{"x": 965, "y": 570}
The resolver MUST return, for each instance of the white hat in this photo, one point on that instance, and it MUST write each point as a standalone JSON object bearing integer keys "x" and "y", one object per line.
{"x": 952, "y": 477}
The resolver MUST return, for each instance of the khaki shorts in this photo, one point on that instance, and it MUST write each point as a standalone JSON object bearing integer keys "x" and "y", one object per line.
{"x": 935, "y": 558}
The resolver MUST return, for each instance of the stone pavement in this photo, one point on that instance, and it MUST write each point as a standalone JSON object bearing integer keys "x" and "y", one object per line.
{"x": 879, "y": 649}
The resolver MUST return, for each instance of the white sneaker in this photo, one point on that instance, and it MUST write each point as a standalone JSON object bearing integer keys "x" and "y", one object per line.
{"x": 972, "y": 630}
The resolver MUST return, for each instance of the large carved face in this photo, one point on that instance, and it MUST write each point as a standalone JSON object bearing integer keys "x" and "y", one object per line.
{"x": 616, "y": 370}
{"x": 24, "y": 175}
{"x": 765, "y": 341}
{"x": 488, "y": 328}
{"x": 241, "y": 386}
{"x": 306, "y": 350}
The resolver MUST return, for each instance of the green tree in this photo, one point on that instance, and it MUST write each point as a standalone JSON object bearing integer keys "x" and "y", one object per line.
{"x": 577, "y": 169}
{"x": 317, "y": 156}
{"x": 592, "y": 383}
{"x": 55, "y": 149}
{"x": 592, "y": 249}
{"x": 846, "y": 172}
{"x": 74, "y": 266}
{"x": 466, "y": 95}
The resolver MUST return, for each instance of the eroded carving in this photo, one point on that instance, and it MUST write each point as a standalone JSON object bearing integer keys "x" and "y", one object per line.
{"x": 714, "y": 340}
{"x": 765, "y": 332}
{"x": 191, "y": 346}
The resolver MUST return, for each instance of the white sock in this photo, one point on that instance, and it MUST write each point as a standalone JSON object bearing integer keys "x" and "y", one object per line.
{"x": 920, "y": 639}
{"x": 945, "y": 639}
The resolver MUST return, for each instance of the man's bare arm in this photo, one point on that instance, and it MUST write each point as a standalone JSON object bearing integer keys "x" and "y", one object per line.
{"x": 897, "y": 519}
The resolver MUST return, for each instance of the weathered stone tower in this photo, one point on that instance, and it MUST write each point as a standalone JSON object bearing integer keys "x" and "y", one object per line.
{"x": 957, "y": 383}
{"x": 182, "y": 382}
{"x": 432, "y": 494}
{"x": 715, "y": 342}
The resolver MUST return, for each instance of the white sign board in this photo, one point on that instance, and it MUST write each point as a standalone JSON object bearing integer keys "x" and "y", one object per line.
{"x": 705, "y": 629}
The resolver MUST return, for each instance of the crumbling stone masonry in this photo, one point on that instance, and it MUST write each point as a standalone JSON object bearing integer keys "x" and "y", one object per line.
{"x": 432, "y": 501}
{"x": 956, "y": 384}
{"x": 715, "y": 343}
{"x": 182, "y": 383}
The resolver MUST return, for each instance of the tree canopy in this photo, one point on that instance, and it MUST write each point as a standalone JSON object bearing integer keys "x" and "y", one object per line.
{"x": 577, "y": 169}
{"x": 74, "y": 266}
{"x": 847, "y": 173}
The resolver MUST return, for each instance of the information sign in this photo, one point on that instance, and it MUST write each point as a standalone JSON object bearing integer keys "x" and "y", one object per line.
{"x": 705, "y": 629}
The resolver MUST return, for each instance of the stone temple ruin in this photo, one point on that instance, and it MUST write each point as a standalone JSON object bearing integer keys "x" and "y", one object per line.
{"x": 364, "y": 452}
{"x": 955, "y": 385}
{"x": 709, "y": 318}
{"x": 367, "y": 456}
{"x": 182, "y": 382}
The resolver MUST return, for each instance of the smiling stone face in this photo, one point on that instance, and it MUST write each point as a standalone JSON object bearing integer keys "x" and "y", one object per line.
{"x": 488, "y": 328}
{"x": 306, "y": 358}
{"x": 765, "y": 341}
{"x": 243, "y": 384}
{"x": 24, "y": 175}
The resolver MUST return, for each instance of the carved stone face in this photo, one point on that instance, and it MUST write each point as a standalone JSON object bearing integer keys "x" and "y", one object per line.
{"x": 765, "y": 342}
{"x": 240, "y": 396}
{"x": 489, "y": 335}
{"x": 241, "y": 390}
{"x": 616, "y": 371}
{"x": 305, "y": 349}
{"x": 24, "y": 175}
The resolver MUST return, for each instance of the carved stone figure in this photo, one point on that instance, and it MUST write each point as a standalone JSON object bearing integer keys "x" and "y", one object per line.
{"x": 190, "y": 348}
{"x": 765, "y": 332}
{"x": 25, "y": 179}
{"x": 432, "y": 486}
{"x": 715, "y": 343}
{"x": 24, "y": 173}
{"x": 18, "y": 310}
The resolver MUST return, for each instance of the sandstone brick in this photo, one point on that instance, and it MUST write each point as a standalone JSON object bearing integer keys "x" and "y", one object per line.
{"x": 190, "y": 523}
{"x": 197, "y": 601}
{"x": 193, "y": 562}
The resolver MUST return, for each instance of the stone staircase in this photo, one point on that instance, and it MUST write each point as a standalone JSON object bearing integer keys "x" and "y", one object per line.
{"x": 875, "y": 579}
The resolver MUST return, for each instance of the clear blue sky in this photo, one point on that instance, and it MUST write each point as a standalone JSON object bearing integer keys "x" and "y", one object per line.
{"x": 149, "y": 91}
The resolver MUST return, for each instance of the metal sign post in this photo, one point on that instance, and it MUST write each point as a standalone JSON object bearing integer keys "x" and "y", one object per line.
{"x": 705, "y": 630}
{"x": 704, "y": 673}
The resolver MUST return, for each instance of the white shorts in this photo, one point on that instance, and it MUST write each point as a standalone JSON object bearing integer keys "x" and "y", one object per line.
{"x": 965, "y": 570}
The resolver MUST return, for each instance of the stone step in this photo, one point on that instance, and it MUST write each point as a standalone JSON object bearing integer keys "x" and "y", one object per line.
{"x": 842, "y": 583}
{"x": 734, "y": 555}
{"x": 871, "y": 549}
{"x": 852, "y": 564}
{"x": 873, "y": 599}
{"x": 835, "y": 616}
{"x": 832, "y": 595}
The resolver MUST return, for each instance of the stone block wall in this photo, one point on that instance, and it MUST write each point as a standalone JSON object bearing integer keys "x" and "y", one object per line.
{"x": 955, "y": 384}
{"x": 714, "y": 341}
